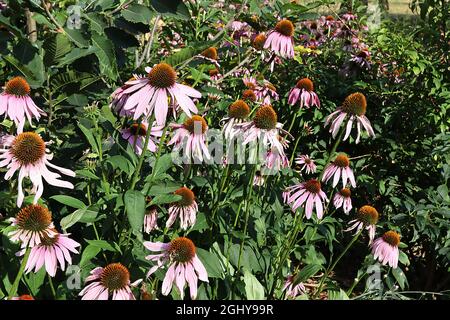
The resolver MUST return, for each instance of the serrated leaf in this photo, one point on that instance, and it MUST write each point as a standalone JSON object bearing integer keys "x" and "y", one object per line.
{"x": 77, "y": 37}
{"x": 137, "y": 13}
{"x": 105, "y": 55}
{"x": 76, "y": 54}
{"x": 56, "y": 48}
{"x": 175, "y": 8}
{"x": 135, "y": 207}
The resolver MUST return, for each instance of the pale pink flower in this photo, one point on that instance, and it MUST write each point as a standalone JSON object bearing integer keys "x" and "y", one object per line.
{"x": 150, "y": 219}
{"x": 307, "y": 195}
{"x": 119, "y": 98}
{"x": 304, "y": 93}
{"x": 150, "y": 95}
{"x": 340, "y": 167}
{"x": 184, "y": 265}
{"x": 136, "y": 133}
{"x": 385, "y": 249}
{"x": 113, "y": 280}
{"x": 191, "y": 136}
{"x": 367, "y": 217}
{"x": 342, "y": 199}
{"x": 280, "y": 39}
{"x": 293, "y": 290}
{"x": 354, "y": 107}
{"x": 308, "y": 164}
{"x": 27, "y": 153}
{"x": 275, "y": 160}
{"x": 186, "y": 208}
{"x": 258, "y": 180}
{"x": 16, "y": 103}
{"x": 31, "y": 224}
{"x": 264, "y": 129}
{"x": 238, "y": 111}
{"x": 49, "y": 252}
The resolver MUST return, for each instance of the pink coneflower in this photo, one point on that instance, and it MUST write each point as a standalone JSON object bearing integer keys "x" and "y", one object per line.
{"x": 186, "y": 208}
{"x": 184, "y": 265}
{"x": 16, "y": 103}
{"x": 264, "y": 128}
{"x": 308, "y": 195}
{"x": 249, "y": 95}
{"x": 354, "y": 107}
{"x": 150, "y": 219}
{"x": 342, "y": 199}
{"x": 32, "y": 223}
{"x": 258, "y": 179}
{"x": 211, "y": 55}
{"x": 362, "y": 59}
{"x": 258, "y": 41}
{"x": 119, "y": 98}
{"x": 304, "y": 93}
{"x": 339, "y": 167}
{"x": 191, "y": 135}
{"x": 214, "y": 74}
{"x": 280, "y": 39}
{"x": 385, "y": 249}
{"x": 275, "y": 160}
{"x": 49, "y": 252}
{"x": 367, "y": 217}
{"x": 264, "y": 90}
{"x": 113, "y": 280}
{"x": 26, "y": 152}
{"x": 293, "y": 291}
{"x": 136, "y": 133}
{"x": 308, "y": 164}
{"x": 150, "y": 94}
{"x": 238, "y": 111}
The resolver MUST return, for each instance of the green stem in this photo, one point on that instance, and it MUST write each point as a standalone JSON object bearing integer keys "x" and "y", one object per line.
{"x": 357, "y": 280}
{"x": 15, "y": 285}
{"x": 247, "y": 213}
{"x": 222, "y": 186}
{"x": 52, "y": 287}
{"x": 137, "y": 172}
{"x": 158, "y": 154}
{"x": 328, "y": 271}
{"x": 333, "y": 150}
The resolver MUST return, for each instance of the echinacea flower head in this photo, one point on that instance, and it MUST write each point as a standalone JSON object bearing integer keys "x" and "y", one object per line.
{"x": 258, "y": 180}
{"x": 32, "y": 224}
{"x": 191, "y": 135}
{"x": 293, "y": 290}
{"x": 264, "y": 129}
{"x": 150, "y": 219}
{"x": 184, "y": 265}
{"x": 385, "y": 249}
{"x": 249, "y": 95}
{"x": 214, "y": 74}
{"x": 343, "y": 199}
{"x": 340, "y": 167}
{"x": 16, "y": 103}
{"x": 280, "y": 39}
{"x": 238, "y": 111}
{"x": 119, "y": 98}
{"x": 306, "y": 164}
{"x": 210, "y": 53}
{"x": 367, "y": 217}
{"x": 49, "y": 252}
{"x": 304, "y": 93}
{"x": 354, "y": 107}
{"x": 150, "y": 95}
{"x": 186, "y": 208}
{"x": 306, "y": 195}
{"x": 27, "y": 153}
{"x": 113, "y": 280}
{"x": 259, "y": 41}
{"x": 135, "y": 135}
